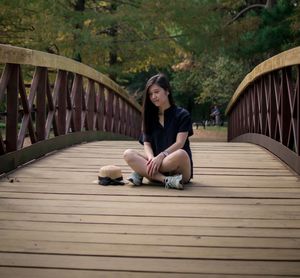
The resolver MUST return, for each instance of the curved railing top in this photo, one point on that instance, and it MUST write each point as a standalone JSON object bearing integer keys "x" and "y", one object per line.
{"x": 24, "y": 56}
{"x": 287, "y": 58}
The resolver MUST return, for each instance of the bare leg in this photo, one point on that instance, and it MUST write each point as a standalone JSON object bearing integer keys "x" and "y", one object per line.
{"x": 138, "y": 163}
{"x": 178, "y": 162}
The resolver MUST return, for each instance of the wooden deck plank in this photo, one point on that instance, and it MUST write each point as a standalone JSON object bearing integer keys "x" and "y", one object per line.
{"x": 217, "y": 212}
{"x": 70, "y": 273}
{"x": 176, "y": 209}
{"x": 157, "y": 240}
{"x": 149, "y": 229}
{"x": 153, "y": 220}
{"x": 190, "y": 191}
{"x": 154, "y": 265}
{"x": 149, "y": 251}
{"x": 240, "y": 217}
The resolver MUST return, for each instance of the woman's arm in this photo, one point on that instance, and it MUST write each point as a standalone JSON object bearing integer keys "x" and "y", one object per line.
{"x": 148, "y": 150}
{"x": 151, "y": 165}
{"x": 179, "y": 143}
{"x": 154, "y": 163}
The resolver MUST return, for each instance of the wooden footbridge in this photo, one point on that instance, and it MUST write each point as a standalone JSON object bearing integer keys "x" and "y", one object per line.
{"x": 240, "y": 217}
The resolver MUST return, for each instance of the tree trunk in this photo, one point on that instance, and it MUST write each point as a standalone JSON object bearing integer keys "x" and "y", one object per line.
{"x": 79, "y": 6}
{"x": 270, "y": 4}
{"x": 113, "y": 53}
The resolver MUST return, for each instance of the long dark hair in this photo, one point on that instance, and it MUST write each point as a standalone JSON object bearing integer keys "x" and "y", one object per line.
{"x": 150, "y": 111}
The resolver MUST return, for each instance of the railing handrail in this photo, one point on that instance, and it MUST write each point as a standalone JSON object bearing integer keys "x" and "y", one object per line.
{"x": 284, "y": 59}
{"x": 18, "y": 55}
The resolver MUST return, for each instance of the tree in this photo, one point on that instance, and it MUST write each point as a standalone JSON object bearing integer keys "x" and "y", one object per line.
{"x": 14, "y": 21}
{"x": 112, "y": 36}
{"x": 258, "y": 36}
{"x": 224, "y": 76}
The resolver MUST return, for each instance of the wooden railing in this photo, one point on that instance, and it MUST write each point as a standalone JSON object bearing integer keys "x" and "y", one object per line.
{"x": 265, "y": 108}
{"x": 50, "y": 102}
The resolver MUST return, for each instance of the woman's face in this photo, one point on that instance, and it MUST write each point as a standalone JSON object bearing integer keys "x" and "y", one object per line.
{"x": 158, "y": 96}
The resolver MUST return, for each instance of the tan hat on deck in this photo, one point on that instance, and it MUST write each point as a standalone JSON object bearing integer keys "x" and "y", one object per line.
{"x": 110, "y": 175}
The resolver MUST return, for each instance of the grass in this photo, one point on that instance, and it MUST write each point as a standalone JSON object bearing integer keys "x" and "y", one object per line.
{"x": 210, "y": 134}
{"x": 215, "y": 128}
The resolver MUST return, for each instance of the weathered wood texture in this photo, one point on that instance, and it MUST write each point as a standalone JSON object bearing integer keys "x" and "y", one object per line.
{"x": 239, "y": 218}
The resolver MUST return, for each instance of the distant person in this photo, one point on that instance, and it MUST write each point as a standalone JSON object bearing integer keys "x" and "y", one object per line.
{"x": 215, "y": 114}
{"x": 166, "y": 128}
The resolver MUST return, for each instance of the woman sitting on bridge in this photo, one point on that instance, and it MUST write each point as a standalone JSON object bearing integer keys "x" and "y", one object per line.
{"x": 166, "y": 128}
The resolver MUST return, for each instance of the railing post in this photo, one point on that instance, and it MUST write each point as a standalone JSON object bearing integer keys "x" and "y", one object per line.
{"x": 116, "y": 126}
{"x": 285, "y": 107}
{"x": 101, "y": 109}
{"x": 264, "y": 106}
{"x": 77, "y": 95}
{"x": 126, "y": 118}
{"x": 90, "y": 104}
{"x": 297, "y": 114}
{"x": 12, "y": 109}
{"x": 109, "y": 111}
{"x": 123, "y": 117}
{"x": 272, "y": 106}
{"x": 62, "y": 102}
{"x": 3, "y": 85}
{"x": 41, "y": 104}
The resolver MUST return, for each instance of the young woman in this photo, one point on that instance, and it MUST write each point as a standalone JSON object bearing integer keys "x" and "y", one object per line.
{"x": 166, "y": 128}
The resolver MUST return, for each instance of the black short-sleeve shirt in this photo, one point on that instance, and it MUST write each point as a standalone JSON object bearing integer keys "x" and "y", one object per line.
{"x": 176, "y": 119}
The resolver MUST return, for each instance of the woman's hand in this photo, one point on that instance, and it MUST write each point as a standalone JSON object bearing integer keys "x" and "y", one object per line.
{"x": 153, "y": 164}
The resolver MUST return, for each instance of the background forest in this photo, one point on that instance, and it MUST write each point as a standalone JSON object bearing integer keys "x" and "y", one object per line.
{"x": 205, "y": 46}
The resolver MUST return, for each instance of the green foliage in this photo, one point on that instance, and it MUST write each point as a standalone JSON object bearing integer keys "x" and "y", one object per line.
{"x": 186, "y": 86}
{"x": 262, "y": 33}
{"x": 273, "y": 34}
{"x": 197, "y": 25}
{"x": 134, "y": 39}
{"x": 219, "y": 85}
{"x": 111, "y": 36}
{"x": 210, "y": 82}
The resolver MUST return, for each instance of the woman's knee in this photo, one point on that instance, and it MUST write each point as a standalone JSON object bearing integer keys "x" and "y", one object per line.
{"x": 177, "y": 159}
{"x": 181, "y": 155}
{"x": 129, "y": 154}
{"x": 184, "y": 165}
{"x": 182, "y": 160}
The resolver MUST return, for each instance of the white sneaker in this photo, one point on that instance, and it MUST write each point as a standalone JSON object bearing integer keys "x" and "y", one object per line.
{"x": 173, "y": 182}
{"x": 136, "y": 179}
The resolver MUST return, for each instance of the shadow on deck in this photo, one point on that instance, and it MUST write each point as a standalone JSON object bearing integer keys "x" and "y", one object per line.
{"x": 240, "y": 216}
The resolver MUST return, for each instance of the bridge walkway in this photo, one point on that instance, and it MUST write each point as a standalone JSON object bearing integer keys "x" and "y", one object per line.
{"x": 239, "y": 217}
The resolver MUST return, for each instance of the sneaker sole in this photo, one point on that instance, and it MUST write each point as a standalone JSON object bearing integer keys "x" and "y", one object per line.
{"x": 131, "y": 180}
